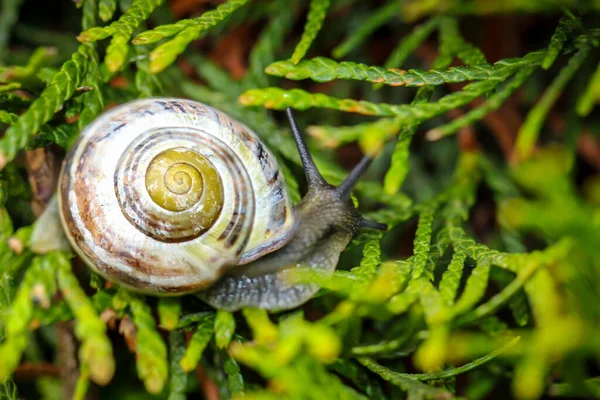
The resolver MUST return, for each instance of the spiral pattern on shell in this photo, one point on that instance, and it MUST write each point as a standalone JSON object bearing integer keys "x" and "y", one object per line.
{"x": 179, "y": 195}
{"x": 164, "y": 195}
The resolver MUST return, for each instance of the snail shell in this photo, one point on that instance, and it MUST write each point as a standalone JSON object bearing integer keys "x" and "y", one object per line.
{"x": 165, "y": 195}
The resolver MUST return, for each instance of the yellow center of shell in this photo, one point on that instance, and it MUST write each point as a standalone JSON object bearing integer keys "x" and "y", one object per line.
{"x": 177, "y": 179}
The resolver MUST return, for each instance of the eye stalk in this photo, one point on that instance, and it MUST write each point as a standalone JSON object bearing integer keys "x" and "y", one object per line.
{"x": 316, "y": 181}
{"x": 313, "y": 176}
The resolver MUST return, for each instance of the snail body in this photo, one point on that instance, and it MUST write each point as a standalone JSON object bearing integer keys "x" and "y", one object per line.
{"x": 171, "y": 196}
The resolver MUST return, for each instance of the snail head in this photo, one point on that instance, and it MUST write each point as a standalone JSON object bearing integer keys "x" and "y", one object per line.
{"x": 329, "y": 204}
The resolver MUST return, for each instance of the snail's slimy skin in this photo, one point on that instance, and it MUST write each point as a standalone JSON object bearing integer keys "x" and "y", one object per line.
{"x": 326, "y": 225}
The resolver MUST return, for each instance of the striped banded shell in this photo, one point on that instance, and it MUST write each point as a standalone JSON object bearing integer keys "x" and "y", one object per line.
{"x": 165, "y": 195}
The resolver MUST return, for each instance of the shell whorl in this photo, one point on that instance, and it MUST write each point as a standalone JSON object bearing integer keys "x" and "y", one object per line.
{"x": 179, "y": 194}
{"x": 163, "y": 195}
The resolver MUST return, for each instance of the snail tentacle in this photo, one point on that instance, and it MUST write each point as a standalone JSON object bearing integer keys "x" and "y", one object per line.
{"x": 351, "y": 180}
{"x": 369, "y": 224}
{"x": 313, "y": 176}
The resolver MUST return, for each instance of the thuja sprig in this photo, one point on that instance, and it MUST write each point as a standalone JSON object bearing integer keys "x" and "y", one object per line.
{"x": 205, "y": 21}
{"x": 88, "y": 14}
{"x": 451, "y": 278}
{"x": 224, "y": 328}
{"x": 96, "y": 349}
{"x": 121, "y": 32}
{"x": 129, "y": 21}
{"x": 452, "y": 42}
{"x": 492, "y": 103}
{"x": 533, "y": 123}
{"x": 106, "y": 9}
{"x": 590, "y": 96}
{"x": 186, "y": 31}
{"x": 30, "y": 76}
{"x": 335, "y": 136}
{"x": 563, "y": 31}
{"x": 314, "y": 22}
{"x": 169, "y": 311}
{"x": 269, "y": 42}
{"x": 398, "y": 170}
{"x": 178, "y": 377}
{"x": 422, "y": 240}
{"x": 371, "y": 257}
{"x": 8, "y": 118}
{"x": 322, "y": 69}
{"x": 279, "y": 99}
{"x": 198, "y": 342}
{"x": 445, "y": 374}
{"x": 235, "y": 379}
{"x": 93, "y": 99}
{"x": 475, "y": 287}
{"x": 412, "y": 11}
{"x": 36, "y": 288}
{"x": 61, "y": 88}
{"x": 410, "y": 43}
{"x": 151, "y": 351}
{"x": 405, "y": 381}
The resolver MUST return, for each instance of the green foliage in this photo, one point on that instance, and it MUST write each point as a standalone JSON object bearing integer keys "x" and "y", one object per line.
{"x": 492, "y": 103}
{"x": 565, "y": 27}
{"x": 185, "y": 32}
{"x": 224, "y": 328}
{"x": 590, "y": 96}
{"x": 410, "y": 43}
{"x": 120, "y": 31}
{"x": 8, "y": 390}
{"x": 169, "y": 311}
{"x": 322, "y": 69}
{"x": 37, "y": 286}
{"x": 278, "y": 99}
{"x": 314, "y": 22}
{"x": 96, "y": 350}
{"x": 106, "y": 9}
{"x": 61, "y": 88}
{"x": 198, "y": 342}
{"x": 151, "y": 351}
{"x": 178, "y": 377}
{"x": 430, "y": 293}
{"x": 530, "y": 129}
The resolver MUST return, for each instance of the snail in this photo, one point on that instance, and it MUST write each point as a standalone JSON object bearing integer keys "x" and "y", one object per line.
{"x": 170, "y": 196}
